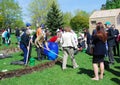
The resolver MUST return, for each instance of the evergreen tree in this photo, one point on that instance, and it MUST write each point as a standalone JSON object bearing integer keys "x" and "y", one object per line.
{"x": 54, "y": 18}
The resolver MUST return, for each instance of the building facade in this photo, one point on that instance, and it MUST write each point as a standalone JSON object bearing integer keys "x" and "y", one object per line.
{"x": 103, "y": 16}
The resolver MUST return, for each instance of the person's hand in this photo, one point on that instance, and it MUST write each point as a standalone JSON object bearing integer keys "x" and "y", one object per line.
{"x": 27, "y": 47}
{"x": 48, "y": 49}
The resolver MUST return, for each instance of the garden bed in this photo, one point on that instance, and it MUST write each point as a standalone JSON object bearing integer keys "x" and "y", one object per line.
{"x": 27, "y": 70}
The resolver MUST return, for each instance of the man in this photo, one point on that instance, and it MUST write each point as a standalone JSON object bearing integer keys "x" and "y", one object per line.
{"x": 116, "y": 47}
{"x": 17, "y": 34}
{"x": 110, "y": 41}
{"x": 24, "y": 45}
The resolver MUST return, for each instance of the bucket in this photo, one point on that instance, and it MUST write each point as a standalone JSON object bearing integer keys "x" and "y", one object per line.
{"x": 84, "y": 50}
{"x": 32, "y": 62}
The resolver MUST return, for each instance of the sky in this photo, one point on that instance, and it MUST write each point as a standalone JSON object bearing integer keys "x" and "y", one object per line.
{"x": 66, "y": 6}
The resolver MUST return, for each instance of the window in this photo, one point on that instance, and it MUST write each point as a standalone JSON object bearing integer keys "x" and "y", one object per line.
{"x": 93, "y": 22}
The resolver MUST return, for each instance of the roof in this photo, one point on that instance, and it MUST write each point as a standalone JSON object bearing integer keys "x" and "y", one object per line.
{"x": 105, "y": 13}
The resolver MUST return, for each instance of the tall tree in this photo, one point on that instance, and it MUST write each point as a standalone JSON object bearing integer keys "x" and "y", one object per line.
{"x": 11, "y": 11}
{"x": 39, "y": 9}
{"x": 81, "y": 13}
{"x": 66, "y": 18}
{"x": 54, "y": 18}
{"x": 111, "y": 4}
{"x": 79, "y": 22}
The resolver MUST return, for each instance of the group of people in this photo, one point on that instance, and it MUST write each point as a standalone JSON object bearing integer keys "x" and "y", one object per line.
{"x": 67, "y": 40}
{"x": 103, "y": 40}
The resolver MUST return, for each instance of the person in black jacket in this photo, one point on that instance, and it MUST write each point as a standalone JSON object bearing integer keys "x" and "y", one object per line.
{"x": 116, "y": 47}
{"x": 25, "y": 44}
{"x": 87, "y": 34}
{"x": 110, "y": 41}
{"x": 17, "y": 34}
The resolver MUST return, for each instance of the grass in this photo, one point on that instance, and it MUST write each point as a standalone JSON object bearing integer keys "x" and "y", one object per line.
{"x": 13, "y": 43}
{"x": 56, "y": 76}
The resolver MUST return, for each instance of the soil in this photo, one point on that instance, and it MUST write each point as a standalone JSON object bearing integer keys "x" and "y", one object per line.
{"x": 10, "y": 51}
{"x": 28, "y": 70}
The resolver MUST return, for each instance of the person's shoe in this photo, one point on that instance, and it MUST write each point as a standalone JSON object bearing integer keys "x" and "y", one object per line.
{"x": 76, "y": 66}
{"x": 64, "y": 68}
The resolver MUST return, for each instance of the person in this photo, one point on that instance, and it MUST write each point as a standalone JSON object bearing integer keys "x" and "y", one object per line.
{"x": 88, "y": 36}
{"x": 68, "y": 45}
{"x": 56, "y": 38}
{"x": 4, "y": 34}
{"x": 17, "y": 34}
{"x": 39, "y": 37}
{"x": 116, "y": 47}
{"x": 99, "y": 51}
{"x": 8, "y": 35}
{"x": 110, "y": 41}
{"x": 25, "y": 45}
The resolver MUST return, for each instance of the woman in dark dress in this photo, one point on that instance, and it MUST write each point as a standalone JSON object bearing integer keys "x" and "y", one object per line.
{"x": 99, "y": 51}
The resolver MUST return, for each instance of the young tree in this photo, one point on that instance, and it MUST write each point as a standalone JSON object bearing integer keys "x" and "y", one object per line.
{"x": 66, "y": 18}
{"x": 54, "y": 18}
{"x": 79, "y": 22}
{"x": 11, "y": 11}
{"x": 38, "y": 10}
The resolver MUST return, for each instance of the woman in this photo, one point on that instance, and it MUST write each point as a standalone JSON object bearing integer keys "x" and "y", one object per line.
{"x": 68, "y": 44}
{"x": 99, "y": 51}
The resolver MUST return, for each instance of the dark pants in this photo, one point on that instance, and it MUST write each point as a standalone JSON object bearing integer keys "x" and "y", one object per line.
{"x": 3, "y": 40}
{"x": 110, "y": 54}
{"x": 116, "y": 49}
{"x": 24, "y": 49}
{"x": 40, "y": 53}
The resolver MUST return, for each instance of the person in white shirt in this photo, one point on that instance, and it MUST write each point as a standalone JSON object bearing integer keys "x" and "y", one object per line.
{"x": 68, "y": 43}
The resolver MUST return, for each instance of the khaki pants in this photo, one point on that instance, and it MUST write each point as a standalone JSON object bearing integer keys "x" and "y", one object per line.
{"x": 68, "y": 51}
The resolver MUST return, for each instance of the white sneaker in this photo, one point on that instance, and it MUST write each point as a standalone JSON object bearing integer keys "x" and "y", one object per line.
{"x": 76, "y": 66}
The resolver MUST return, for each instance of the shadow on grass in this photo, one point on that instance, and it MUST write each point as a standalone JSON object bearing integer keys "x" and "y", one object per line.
{"x": 116, "y": 80}
{"x": 86, "y": 71}
{"x": 117, "y": 59}
{"x": 116, "y": 73}
{"x": 60, "y": 64}
{"x": 118, "y": 67}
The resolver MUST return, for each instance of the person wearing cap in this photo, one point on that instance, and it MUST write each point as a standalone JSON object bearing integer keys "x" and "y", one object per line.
{"x": 24, "y": 44}
{"x": 110, "y": 41}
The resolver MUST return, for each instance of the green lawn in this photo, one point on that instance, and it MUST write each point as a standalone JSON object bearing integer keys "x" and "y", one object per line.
{"x": 70, "y": 76}
{"x": 13, "y": 43}
{"x": 56, "y": 76}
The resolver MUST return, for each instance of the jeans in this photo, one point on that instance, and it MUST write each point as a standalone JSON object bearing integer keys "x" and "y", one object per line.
{"x": 24, "y": 49}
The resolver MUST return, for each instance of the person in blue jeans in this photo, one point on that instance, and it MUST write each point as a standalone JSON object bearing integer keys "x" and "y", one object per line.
{"x": 25, "y": 44}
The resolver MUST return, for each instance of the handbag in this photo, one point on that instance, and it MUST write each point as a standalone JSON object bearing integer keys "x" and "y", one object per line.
{"x": 91, "y": 48}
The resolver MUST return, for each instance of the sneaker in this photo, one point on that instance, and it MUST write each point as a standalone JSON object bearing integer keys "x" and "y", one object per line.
{"x": 76, "y": 66}
{"x": 64, "y": 68}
